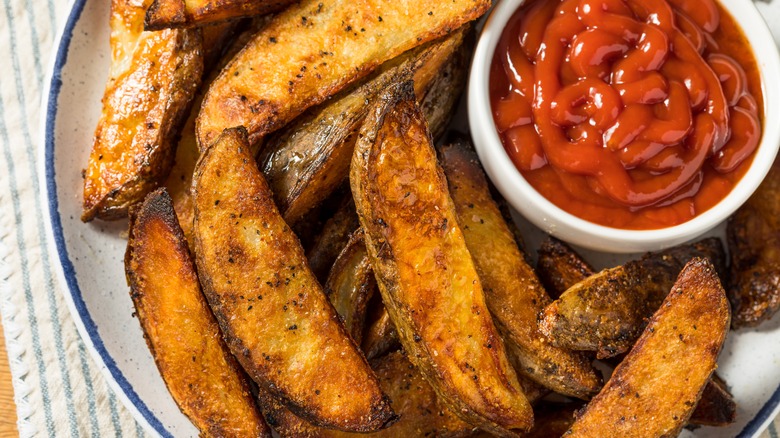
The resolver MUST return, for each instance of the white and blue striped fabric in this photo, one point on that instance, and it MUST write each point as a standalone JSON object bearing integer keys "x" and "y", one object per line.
{"x": 58, "y": 389}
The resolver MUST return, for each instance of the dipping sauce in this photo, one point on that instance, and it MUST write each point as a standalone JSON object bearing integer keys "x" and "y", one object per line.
{"x": 634, "y": 114}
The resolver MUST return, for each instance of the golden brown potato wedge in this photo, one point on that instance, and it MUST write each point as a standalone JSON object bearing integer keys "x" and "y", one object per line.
{"x": 606, "y": 312}
{"x": 513, "y": 293}
{"x": 315, "y": 49}
{"x": 425, "y": 273}
{"x": 380, "y": 335}
{"x": 654, "y": 390}
{"x": 332, "y": 239}
{"x": 164, "y": 14}
{"x": 351, "y": 284}
{"x": 151, "y": 83}
{"x": 560, "y": 267}
{"x": 309, "y": 158}
{"x": 716, "y": 406}
{"x": 183, "y": 336}
{"x": 754, "y": 245}
{"x": 275, "y": 317}
{"x": 420, "y": 413}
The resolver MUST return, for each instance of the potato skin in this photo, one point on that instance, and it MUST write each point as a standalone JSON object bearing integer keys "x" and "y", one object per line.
{"x": 202, "y": 376}
{"x": 316, "y": 48}
{"x": 335, "y": 234}
{"x": 351, "y": 284}
{"x": 716, "y": 406}
{"x": 275, "y": 317}
{"x": 654, "y": 390}
{"x": 308, "y": 159}
{"x": 163, "y": 14}
{"x": 559, "y": 267}
{"x": 152, "y": 81}
{"x": 425, "y": 274}
{"x": 380, "y": 335}
{"x": 606, "y": 312}
{"x": 513, "y": 293}
{"x": 754, "y": 244}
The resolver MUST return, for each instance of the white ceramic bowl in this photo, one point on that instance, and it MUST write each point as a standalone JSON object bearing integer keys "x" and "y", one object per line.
{"x": 550, "y": 218}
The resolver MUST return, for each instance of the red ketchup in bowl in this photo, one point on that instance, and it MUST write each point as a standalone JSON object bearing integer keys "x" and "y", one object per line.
{"x": 634, "y": 114}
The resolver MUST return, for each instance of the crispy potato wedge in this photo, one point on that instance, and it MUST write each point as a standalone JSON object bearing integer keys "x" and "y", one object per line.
{"x": 513, "y": 293}
{"x": 425, "y": 273}
{"x": 309, "y": 158}
{"x": 163, "y": 14}
{"x": 380, "y": 335}
{"x": 420, "y": 413}
{"x": 202, "y": 376}
{"x": 654, "y": 390}
{"x": 335, "y": 234}
{"x": 606, "y": 312}
{"x": 315, "y": 49}
{"x": 716, "y": 406}
{"x": 151, "y": 83}
{"x": 275, "y": 317}
{"x": 351, "y": 284}
{"x": 754, "y": 244}
{"x": 560, "y": 267}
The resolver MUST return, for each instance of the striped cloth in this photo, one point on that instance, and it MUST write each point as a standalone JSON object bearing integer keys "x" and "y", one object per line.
{"x": 58, "y": 389}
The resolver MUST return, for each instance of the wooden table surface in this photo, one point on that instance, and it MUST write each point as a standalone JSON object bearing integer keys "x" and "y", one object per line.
{"x": 7, "y": 407}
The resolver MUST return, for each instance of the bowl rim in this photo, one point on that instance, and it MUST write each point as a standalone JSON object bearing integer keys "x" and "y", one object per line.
{"x": 566, "y": 226}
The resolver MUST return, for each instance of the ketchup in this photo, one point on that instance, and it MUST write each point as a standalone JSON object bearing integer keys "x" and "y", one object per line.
{"x": 627, "y": 113}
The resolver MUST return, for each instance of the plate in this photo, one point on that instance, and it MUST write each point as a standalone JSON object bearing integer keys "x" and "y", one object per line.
{"x": 91, "y": 255}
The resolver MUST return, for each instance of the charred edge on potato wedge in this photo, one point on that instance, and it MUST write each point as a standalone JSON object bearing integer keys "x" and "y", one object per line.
{"x": 163, "y": 14}
{"x": 420, "y": 413}
{"x": 275, "y": 317}
{"x": 513, "y": 293}
{"x": 316, "y": 48}
{"x": 202, "y": 376}
{"x": 754, "y": 245}
{"x": 351, "y": 284}
{"x": 135, "y": 139}
{"x": 425, "y": 273}
{"x": 560, "y": 267}
{"x": 654, "y": 390}
{"x": 607, "y": 312}
{"x": 308, "y": 159}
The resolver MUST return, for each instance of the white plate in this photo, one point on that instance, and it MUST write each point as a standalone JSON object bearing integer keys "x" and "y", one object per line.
{"x": 91, "y": 255}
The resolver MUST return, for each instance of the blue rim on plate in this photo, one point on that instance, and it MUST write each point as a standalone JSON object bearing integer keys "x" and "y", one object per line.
{"x": 84, "y": 323}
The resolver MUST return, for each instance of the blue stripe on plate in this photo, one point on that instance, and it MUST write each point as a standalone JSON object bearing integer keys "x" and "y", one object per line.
{"x": 92, "y": 335}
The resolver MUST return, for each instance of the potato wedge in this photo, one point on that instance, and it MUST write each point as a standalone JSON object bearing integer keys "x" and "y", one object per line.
{"x": 275, "y": 317}
{"x": 202, "y": 376}
{"x": 654, "y": 390}
{"x": 559, "y": 267}
{"x": 606, "y": 312}
{"x": 754, "y": 244}
{"x": 351, "y": 284}
{"x": 151, "y": 83}
{"x": 315, "y": 49}
{"x": 513, "y": 293}
{"x": 425, "y": 273}
{"x": 420, "y": 413}
{"x": 163, "y": 14}
{"x": 716, "y": 406}
{"x": 332, "y": 238}
{"x": 309, "y": 158}
{"x": 380, "y": 335}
